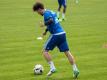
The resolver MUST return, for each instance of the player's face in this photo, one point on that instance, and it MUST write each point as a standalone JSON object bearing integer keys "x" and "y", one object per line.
{"x": 40, "y": 11}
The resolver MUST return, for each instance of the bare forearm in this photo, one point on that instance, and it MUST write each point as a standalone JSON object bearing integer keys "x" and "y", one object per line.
{"x": 46, "y": 30}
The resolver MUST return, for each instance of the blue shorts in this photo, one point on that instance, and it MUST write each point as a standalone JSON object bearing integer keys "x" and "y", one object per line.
{"x": 62, "y": 2}
{"x": 57, "y": 41}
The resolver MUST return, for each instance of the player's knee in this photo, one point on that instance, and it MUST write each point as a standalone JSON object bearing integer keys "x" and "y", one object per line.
{"x": 44, "y": 51}
{"x": 67, "y": 53}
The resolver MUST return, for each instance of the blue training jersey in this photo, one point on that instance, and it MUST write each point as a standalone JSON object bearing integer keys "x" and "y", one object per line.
{"x": 54, "y": 27}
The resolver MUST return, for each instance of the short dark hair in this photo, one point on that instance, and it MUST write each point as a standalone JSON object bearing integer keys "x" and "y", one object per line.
{"x": 37, "y": 6}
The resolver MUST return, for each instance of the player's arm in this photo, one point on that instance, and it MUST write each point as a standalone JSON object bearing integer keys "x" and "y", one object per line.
{"x": 46, "y": 30}
{"x": 44, "y": 33}
{"x": 49, "y": 21}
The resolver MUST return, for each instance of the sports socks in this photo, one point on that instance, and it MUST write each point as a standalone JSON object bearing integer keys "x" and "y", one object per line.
{"x": 63, "y": 15}
{"x": 51, "y": 64}
{"x": 74, "y": 67}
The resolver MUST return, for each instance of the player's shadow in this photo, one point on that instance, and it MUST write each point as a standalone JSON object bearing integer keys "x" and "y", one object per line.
{"x": 63, "y": 78}
{"x": 40, "y": 77}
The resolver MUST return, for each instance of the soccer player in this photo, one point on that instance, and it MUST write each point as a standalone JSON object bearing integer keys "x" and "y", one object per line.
{"x": 57, "y": 38}
{"x": 64, "y": 4}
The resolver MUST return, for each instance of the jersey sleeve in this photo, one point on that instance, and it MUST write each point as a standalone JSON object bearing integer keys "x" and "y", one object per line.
{"x": 47, "y": 16}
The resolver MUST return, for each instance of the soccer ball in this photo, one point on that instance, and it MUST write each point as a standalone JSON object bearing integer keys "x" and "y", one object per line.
{"x": 38, "y": 69}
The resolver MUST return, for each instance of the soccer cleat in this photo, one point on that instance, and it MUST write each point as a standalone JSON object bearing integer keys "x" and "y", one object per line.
{"x": 75, "y": 74}
{"x": 51, "y": 72}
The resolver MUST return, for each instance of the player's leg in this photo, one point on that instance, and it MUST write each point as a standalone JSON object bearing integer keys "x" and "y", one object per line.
{"x": 70, "y": 57}
{"x": 63, "y": 14}
{"x": 64, "y": 9}
{"x": 63, "y": 47}
{"x": 72, "y": 62}
{"x": 58, "y": 12}
{"x": 48, "y": 58}
{"x": 59, "y": 8}
{"x": 49, "y": 45}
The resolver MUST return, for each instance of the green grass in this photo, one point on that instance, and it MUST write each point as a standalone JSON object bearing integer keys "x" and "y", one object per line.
{"x": 86, "y": 31}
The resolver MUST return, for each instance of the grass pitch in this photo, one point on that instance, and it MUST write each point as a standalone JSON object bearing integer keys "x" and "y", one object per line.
{"x": 86, "y": 27}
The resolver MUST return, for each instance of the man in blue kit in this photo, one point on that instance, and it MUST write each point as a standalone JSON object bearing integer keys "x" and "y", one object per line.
{"x": 64, "y": 4}
{"x": 57, "y": 38}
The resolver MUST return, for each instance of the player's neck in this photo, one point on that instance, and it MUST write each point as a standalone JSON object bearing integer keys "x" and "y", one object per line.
{"x": 44, "y": 11}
